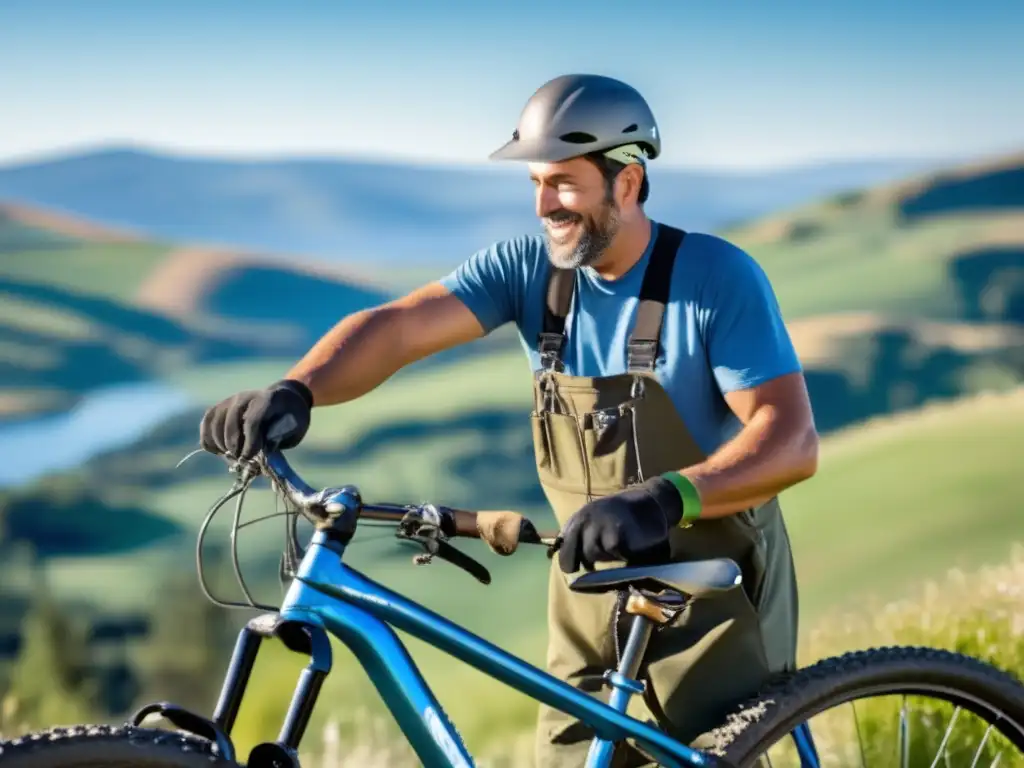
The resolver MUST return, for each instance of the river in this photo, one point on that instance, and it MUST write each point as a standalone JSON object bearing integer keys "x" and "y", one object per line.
{"x": 105, "y": 419}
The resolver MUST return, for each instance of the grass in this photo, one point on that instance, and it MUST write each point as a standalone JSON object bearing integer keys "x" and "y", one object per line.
{"x": 965, "y": 452}
{"x": 975, "y": 612}
{"x": 865, "y": 259}
{"x": 898, "y": 498}
{"x": 45, "y": 342}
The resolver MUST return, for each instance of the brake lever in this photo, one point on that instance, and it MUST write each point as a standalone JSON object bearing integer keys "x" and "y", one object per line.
{"x": 459, "y": 558}
{"x": 423, "y": 526}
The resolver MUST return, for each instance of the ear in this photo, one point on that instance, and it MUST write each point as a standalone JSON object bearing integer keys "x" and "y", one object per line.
{"x": 628, "y": 183}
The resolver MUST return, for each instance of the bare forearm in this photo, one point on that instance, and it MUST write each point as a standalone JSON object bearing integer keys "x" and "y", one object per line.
{"x": 351, "y": 359}
{"x": 767, "y": 456}
{"x": 366, "y": 348}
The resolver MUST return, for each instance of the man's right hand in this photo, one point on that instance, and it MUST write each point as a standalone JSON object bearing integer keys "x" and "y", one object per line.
{"x": 237, "y": 426}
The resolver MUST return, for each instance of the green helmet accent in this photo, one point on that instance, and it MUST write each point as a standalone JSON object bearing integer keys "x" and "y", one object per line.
{"x": 575, "y": 115}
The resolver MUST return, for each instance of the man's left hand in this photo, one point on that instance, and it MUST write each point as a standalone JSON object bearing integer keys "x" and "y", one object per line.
{"x": 631, "y": 526}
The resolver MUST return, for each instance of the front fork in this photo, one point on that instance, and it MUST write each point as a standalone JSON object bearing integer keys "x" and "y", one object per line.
{"x": 307, "y": 639}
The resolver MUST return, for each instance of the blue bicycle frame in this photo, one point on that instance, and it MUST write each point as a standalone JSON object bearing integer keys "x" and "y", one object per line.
{"x": 327, "y": 596}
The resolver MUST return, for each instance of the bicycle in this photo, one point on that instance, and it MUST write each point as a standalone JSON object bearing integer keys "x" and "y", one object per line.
{"x": 326, "y": 596}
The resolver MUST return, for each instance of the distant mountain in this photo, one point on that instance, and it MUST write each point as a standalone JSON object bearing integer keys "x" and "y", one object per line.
{"x": 359, "y": 212}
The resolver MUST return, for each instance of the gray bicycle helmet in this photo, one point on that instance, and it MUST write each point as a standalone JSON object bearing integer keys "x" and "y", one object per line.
{"x": 575, "y": 115}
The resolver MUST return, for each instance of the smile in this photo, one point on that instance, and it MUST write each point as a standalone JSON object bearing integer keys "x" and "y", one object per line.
{"x": 561, "y": 227}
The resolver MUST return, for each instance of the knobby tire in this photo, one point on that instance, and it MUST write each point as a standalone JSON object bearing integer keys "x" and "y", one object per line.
{"x": 793, "y": 699}
{"x": 104, "y": 746}
{"x": 761, "y": 723}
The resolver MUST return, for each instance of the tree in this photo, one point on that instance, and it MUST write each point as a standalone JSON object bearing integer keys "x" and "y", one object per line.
{"x": 188, "y": 651}
{"x": 49, "y": 681}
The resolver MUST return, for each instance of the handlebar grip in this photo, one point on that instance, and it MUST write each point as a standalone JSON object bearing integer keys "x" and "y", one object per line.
{"x": 504, "y": 531}
{"x": 281, "y": 427}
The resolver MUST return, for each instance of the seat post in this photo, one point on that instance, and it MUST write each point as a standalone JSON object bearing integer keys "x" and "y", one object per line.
{"x": 636, "y": 645}
{"x": 623, "y": 679}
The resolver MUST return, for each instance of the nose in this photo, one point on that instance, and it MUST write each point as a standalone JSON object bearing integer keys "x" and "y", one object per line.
{"x": 547, "y": 200}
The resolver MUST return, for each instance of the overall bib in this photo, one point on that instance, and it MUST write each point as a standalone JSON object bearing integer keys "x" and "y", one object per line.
{"x": 595, "y": 436}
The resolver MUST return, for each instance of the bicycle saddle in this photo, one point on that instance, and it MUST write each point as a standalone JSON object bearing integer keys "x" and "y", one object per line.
{"x": 697, "y": 578}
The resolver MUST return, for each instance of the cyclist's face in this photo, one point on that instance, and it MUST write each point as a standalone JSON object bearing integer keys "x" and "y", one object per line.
{"x": 579, "y": 215}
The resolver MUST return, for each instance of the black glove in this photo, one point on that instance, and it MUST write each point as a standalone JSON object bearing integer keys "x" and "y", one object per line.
{"x": 237, "y": 426}
{"x": 631, "y": 526}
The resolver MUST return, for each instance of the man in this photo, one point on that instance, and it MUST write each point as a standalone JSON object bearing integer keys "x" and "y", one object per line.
{"x": 670, "y": 407}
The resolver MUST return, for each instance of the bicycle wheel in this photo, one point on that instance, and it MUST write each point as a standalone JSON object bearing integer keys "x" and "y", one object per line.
{"x": 93, "y": 746}
{"x": 762, "y": 731}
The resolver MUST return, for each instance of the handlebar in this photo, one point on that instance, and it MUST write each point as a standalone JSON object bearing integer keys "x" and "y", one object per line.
{"x": 427, "y": 524}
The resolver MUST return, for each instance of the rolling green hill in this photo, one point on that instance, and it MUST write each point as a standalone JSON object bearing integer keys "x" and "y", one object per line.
{"x": 900, "y": 295}
{"x": 82, "y": 307}
{"x": 898, "y": 299}
{"x": 893, "y": 251}
{"x": 447, "y": 432}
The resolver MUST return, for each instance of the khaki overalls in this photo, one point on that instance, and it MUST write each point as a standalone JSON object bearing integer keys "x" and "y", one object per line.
{"x": 596, "y": 436}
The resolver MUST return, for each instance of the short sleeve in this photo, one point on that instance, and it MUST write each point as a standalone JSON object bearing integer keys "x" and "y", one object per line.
{"x": 745, "y": 337}
{"x": 488, "y": 284}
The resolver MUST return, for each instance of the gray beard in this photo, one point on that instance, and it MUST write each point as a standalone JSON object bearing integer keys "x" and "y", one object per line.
{"x": 587, "y": 250}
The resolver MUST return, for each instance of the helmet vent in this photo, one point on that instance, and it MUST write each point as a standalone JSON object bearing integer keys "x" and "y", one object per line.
{"x": 578, "y": 137}
{"x": 630, "y": 128}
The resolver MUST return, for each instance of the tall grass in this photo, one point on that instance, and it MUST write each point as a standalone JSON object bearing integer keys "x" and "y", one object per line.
{"x": 979, "y": 613}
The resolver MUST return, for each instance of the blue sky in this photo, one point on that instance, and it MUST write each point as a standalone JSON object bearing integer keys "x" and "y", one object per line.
{"x": 751, "y": 83}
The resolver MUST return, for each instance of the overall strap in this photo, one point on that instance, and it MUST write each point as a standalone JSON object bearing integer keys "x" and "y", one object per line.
{"x": 642, "y": 349}
{"x": 551, "y": 339}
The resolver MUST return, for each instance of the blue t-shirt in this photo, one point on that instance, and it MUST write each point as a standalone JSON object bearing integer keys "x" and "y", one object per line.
{"x": 722, "y": 330}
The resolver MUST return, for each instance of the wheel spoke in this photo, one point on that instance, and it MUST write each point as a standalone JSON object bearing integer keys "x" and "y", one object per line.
{"x": 884, "y": 711}
{"x": 860, "y": 741}
{"x": 981, "y": 746}
{"x": 945, "y": 737}
{"x": 904, "y": 735}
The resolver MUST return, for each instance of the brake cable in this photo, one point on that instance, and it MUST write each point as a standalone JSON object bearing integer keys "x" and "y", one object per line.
{"x": 245, "y": 476}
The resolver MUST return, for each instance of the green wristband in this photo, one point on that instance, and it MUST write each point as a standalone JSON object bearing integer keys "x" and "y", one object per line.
{"x": 688, "y": 492}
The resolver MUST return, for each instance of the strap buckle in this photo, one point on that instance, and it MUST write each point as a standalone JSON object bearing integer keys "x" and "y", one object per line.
{"x": 550, "y": 346}
{"x": 641, "y": 354}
